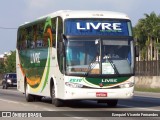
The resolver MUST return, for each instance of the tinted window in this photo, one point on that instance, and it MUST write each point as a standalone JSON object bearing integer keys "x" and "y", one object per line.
{"x": 54, "y": 31}
{"x": 34, "y": 36}
{"x": 11, "y": 76}
{"x": 22, "y": 43}
{"x": 59, "y": 41}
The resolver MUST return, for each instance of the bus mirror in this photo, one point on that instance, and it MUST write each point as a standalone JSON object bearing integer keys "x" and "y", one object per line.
{"x": 136, "y": 51}
{"x": 61, "y": 47}
{"x": 64, "y": 37}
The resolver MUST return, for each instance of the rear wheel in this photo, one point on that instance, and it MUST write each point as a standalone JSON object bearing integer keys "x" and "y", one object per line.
{"x": 38, "y": 98}
{"x": 112, "y": 103}
{"x": 29, "y": 97}
{"x": 55, "y": 101}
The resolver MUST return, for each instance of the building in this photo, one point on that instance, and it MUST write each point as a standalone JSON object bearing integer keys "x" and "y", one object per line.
{"x": 2, "y": 57}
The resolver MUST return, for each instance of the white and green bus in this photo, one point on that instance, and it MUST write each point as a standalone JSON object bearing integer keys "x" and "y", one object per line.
{"x": 76, "y": 55}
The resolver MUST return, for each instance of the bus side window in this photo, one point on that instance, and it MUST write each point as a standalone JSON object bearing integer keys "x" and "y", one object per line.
{"x": 29, "y": 37}
{"x": 41, "y": 39}
{"x": 22, "y": 44}
{"x": 54, "y": 32}
{"x": 59, "y": 40}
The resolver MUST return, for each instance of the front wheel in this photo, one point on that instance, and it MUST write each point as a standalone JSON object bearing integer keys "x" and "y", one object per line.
{"x": 55, "y": 101}
{"x": 112, "y": 103}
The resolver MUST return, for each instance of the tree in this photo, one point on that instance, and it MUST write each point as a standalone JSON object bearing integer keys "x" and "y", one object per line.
{"x": 1, "y": 67}
{"x": 140, "y": 37}
{"x": 10, "y": 62}
{"x": 147, "y": 33}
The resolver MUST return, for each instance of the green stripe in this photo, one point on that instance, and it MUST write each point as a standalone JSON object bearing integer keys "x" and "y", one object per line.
{"x": 106, "y": 81}
{"x": 48, "y": 67}
{"x": 48, "y": 23}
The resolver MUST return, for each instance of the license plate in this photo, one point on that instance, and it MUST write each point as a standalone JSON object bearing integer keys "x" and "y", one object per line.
{"x": 14, "y": 83}
{"x": 101, "y": 94}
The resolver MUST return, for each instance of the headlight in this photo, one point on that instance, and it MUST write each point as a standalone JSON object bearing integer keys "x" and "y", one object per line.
{"x": 73, "y": 85}
{"x": 126, "y": 85}
{"x": 9, "y": 81}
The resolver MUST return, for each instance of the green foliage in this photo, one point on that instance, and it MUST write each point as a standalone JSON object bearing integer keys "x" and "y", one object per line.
{"x": 10, "y": 62}
{"x": 157, "y": 45}
{"x": 147, "y": 32}
{"x": 1, "y": 67}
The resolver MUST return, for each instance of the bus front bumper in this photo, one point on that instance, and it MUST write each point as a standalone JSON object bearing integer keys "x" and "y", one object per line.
{"x": 96, "y": 94}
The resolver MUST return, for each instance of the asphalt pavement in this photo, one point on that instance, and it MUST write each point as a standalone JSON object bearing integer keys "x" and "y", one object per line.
{"x": 13, "y": 100}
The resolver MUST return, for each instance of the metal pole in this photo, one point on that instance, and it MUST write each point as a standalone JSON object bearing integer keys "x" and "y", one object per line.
{"x": 100, "y": 63}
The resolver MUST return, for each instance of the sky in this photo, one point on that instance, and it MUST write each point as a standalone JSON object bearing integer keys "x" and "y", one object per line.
{"x": 13, "y": 13}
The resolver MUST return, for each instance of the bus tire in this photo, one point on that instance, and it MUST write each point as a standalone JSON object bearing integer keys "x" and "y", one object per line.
{"x": 38, "y": 98}
{"x": 55, "y": 101}
{"x": 112, "y": 103}
{"x": 29, "y": 97}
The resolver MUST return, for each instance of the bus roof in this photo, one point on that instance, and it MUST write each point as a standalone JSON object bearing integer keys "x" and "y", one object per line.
{"x": 83, "y": 14}
{"x": 86, "y": 14}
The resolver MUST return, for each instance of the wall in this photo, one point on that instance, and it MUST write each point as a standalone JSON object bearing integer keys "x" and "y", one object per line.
{"x": 147, "y": 81}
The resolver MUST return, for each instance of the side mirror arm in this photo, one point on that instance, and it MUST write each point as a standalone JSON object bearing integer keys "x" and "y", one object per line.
{"x": 136, "y": 51}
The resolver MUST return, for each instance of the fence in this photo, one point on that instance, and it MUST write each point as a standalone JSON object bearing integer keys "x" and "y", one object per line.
{"x": 147, "y": 68}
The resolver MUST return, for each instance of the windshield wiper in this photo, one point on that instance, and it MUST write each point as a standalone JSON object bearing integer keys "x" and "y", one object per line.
{"x": 91, "y": 65}
{"x": 113, "y": 65}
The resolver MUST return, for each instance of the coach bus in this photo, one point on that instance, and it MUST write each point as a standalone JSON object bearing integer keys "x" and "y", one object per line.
{"x": 76, "y": 55}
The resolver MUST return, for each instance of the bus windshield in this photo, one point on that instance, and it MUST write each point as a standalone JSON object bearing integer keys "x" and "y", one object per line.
{"x": 83, "y": 57}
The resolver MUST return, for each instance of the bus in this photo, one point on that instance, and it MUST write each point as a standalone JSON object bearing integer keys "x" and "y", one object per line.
{"x": 76, "y": 55}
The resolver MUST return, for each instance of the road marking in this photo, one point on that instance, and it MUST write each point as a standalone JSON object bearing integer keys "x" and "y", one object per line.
{"x": 12, "y": 90}
{"x": 9, "y": 101}
{"x": 25, "y": 104}
{"x": 47, "y": 109}
{"x": 138, "y": 107}
{"x": 79, "y": 118}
